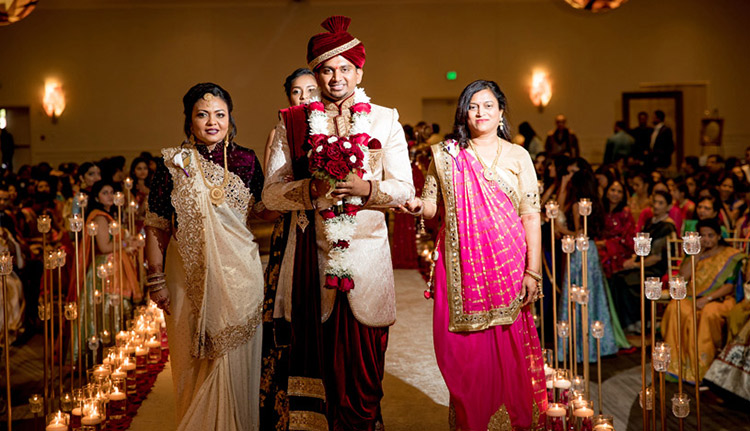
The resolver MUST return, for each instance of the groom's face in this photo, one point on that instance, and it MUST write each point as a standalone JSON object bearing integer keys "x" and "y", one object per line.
{"x": 337, "y": 78}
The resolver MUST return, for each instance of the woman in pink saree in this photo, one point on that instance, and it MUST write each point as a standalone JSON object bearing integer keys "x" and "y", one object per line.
{"x": 487, "y": 268}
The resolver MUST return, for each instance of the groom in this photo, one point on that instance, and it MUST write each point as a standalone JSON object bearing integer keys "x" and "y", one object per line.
{"x": 339, "y": 334}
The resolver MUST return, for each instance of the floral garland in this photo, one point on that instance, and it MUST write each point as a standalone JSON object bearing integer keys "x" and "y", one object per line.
{"x": 332, "y": 159}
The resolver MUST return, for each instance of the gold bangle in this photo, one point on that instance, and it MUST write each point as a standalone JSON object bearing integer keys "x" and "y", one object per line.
{"x": 535, "y": 275}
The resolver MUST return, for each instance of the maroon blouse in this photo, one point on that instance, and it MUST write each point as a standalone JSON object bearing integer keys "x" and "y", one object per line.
{"x": 240, "y": 160}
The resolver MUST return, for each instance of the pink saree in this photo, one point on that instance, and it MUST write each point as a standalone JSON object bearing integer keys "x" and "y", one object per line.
{"x": 486, "y": 344}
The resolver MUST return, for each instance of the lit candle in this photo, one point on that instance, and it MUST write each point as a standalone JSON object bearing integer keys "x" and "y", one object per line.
{"x": 584, "y": 207}
{"x": 583, "y": 412}
{"x": 568, "y": 244}
{"x": 128, "y": 183}
{"x": 116, "y": 395}
{"x": 119, "y": 374}
{"x": 91, "y": 420}
{"x": 119, "y": 199}
{"x": 556, "y": 410}
{"x": 92, "y": 228}
{"x": 562, "y": 384}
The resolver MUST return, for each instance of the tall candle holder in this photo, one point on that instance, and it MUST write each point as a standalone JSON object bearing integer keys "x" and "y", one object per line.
{"x": 71, "y": 315}
{"x": 140, "y": 244}
{"x": 119, "y": 202}
{"x": 642, "y": 246}
{"x": 43, "y": 225}
{"x": 102, "y": 271}
{"x": 653, "y": 294}
{"x": 691, "y": 244}
{"x": 6, "y": 267}
{"x": 660, "y": 359}
{"x": 568, "y": 244}
{"x": 552, "y": 210}
{"x": 127, "y": 184}
{"x": 563, "y": 332}
{"x": 92, "y": 229}
{"x": 582, "y": 244}
{"x": 574, "y": 291}
{"x": 76, "y": 226}
{"x": 50, "y": 263}
{"x": 680, "y": 401}
{"x": 597, "y": 330}
{"x": 59, "y": 263}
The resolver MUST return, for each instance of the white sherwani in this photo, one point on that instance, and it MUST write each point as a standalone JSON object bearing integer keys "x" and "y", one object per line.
{"x": 373, "y": 300}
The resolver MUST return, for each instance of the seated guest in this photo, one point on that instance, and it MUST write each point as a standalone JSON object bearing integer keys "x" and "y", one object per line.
{"x": 584, "y": 184}
{"x": 730, "y": 204}
{"x": 626, "y": 284}
{"x": 681, "y": 201}
{"x": 639, "y": 198}
{"x": 716, "y": 272}
{"x": 674, "y": 213}
{"x": 731, "y": 368}
{"x": 615, "y": 243}
{"x": 708, "y": 208}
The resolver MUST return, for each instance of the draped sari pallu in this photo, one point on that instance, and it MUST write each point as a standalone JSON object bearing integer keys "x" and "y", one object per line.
{"x": 486, "y": 344}
{"x": 710, "y": 275}
{"x": 215, "y": 280}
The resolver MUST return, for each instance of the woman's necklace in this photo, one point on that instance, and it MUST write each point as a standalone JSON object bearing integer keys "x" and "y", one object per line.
{"x": 216, "y": 193}
{"x": 490, "y": 174}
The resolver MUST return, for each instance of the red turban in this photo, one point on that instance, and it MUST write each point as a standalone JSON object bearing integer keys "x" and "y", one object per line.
{"x": 337, "y": 41}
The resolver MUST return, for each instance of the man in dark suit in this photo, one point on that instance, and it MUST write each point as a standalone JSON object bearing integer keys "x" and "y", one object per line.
{"x": 662, "y": 142}
{"x": 642, "y": 136}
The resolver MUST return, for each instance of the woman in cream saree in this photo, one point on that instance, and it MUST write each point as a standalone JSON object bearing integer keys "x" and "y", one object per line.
{"x": 210, "y": 282}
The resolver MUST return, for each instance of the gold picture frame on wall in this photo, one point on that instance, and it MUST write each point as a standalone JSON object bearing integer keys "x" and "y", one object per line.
{"x": 712, "y": 130}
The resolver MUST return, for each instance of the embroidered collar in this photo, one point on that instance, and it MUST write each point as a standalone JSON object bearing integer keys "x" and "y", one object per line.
{"x": 341, "y": 107}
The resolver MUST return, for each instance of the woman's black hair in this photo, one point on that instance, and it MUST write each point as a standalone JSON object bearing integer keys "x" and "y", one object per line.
{"x": 715, "y": 203}
{"x": 94, "y": 194}
{"x": 623, "y": 203}
{"x": 460, "y": 125}
{"x": 713, "y": 224}
{"x": 83, "y": 168}
{"x": 302, "y": 71}
{"x": 135, "y": 163}
{"x": 666, "y": 195}
{"x": 195, "y": 93}
{"x": 583, "y": 184}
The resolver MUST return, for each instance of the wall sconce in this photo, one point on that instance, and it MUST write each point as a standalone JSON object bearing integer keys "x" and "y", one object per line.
{"x": 541, "y": 90}
{"x": 3, "y": 119}
{"x": 54, "y": 99}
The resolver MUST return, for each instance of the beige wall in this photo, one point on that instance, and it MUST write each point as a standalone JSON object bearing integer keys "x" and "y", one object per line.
{"x": 126, "y": 64}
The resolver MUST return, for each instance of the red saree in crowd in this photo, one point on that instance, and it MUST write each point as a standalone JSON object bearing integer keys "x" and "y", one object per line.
{"x": 485, "y": 342}
{"x": 617, "y": 235}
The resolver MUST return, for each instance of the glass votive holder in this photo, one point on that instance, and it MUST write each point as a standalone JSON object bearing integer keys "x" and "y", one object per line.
{"x": 102, "y": 371}
{"x": 36, "y": 403}
{"x": 128, "y": 183}
{"x": 575, "y": 290}
{"x": 642, "y": 243}
{"x": 691, "y": 243}
{"x": 71, "y": 311}
{"x": 43, "y": 223}
{"x": 583, "y": 296}
{"x": 562, "y": 385}
{"x": 649, "y": 398}
{"x": 604, "y": 423}
{"x": 583, "y": 414}
{"x": 121, "y": 338}
{"x": 98, "y": 297}
{"x": 660, "y": 357}
{"x": 119, "y": 199}
{"x": 556, "y": 417}
{"x": 57, "y": 421}
{"x": 681, "y": 405}
{"x": 584, "y": 207}
{"x": 582, "y": 242}
{"x": 92, "y": 228}
{"x": 154, "y": 350}
{"x": 44, "y": 312}
{"x": 563, "y": 329}
{"x": 118, "y": 400}
{"x": 82, "y": 199}
{"x": 653, "y": 288}
{"x": 50, "y": 260}
{"x": 93, "y": 415}
{"x": 60, "y": 256}
{"x": 76, "y": 223}
{"x": 141, "y": 357}
{"x": 131, "y": 383}
{"x": 677, "y": 288}
{"x": 552, "y": 210}
{"x": 597, "y": 329}
{"x": 66, "y": 402}
{"x": 106, "y": 336}
{"x": 568, "y": 244}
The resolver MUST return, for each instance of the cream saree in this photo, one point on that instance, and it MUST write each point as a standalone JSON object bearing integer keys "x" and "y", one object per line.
{"x": 215, "y": 282}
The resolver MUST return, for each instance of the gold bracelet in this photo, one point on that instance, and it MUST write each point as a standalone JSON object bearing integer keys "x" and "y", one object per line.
{"x": 535, "y": 275}
{"x": 160, "y": 287}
